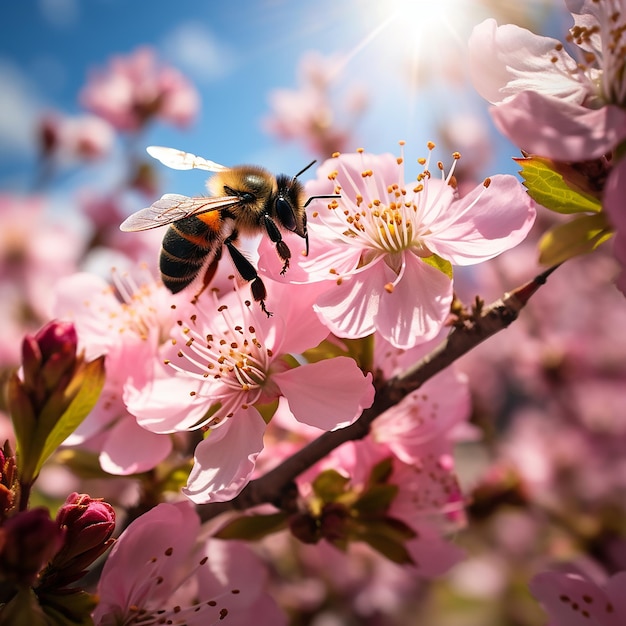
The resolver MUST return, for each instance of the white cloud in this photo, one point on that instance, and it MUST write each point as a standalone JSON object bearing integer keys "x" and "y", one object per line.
{"x": 19, "y": 110}
{"x": 194, "y": 49}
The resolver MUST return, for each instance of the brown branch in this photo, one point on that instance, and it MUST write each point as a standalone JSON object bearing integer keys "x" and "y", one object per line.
{"x": 486, "y": 321}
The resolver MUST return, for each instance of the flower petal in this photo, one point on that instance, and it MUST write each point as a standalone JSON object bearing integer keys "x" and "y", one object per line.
{"x": 415, "y": 310}
{"x": 506, "y": 60}
{"x": 130, "y": 449}
{"x": 224, "y": 461}
{"x": 551, "y": 127}
{"x": 328, "y": 394}
{"x": 484, "y": 223}
{"x": 349, "y": 307}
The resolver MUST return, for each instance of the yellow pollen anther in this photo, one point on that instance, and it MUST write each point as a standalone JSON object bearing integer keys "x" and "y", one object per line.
{"x": 456, "y": 156}
{"x": 430, "y": 145}
{"x": 360, "y": 150}
{"x": 334, "y": 155}
{"x": 389, "y": 287}
{"x": 421, "y": 161}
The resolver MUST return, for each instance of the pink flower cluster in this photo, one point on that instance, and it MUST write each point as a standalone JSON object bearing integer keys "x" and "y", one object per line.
{"x": 135, "y": 89}
{"x": 567, "y": 108}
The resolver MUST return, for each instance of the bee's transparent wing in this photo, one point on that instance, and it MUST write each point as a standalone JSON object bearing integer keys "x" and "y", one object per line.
{"x": 173, "y": 207}
{"x": 179, "y": 160}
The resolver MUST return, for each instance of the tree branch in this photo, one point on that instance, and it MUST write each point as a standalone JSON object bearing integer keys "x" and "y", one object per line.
{"x": 482, "y": 324}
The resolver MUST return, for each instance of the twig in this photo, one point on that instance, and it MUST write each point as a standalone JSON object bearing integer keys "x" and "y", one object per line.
{"x": 487, "y": 321}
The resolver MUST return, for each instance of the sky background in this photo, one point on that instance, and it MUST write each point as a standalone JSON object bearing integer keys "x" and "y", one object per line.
{"x": 400, "y": 52}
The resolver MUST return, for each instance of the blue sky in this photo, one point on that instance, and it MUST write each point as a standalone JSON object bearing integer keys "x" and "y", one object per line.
{"x": 236, "y": 52}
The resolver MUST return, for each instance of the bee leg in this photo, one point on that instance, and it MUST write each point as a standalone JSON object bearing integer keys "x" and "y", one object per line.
{"x": 281, "y": 247}
{"x": 248, "y": 272}
{"x": 208, "y": 275}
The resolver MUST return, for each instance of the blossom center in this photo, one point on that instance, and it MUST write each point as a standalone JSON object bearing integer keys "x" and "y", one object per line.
{"x": 231, "y": 362}
{"x": 602, "y": 65}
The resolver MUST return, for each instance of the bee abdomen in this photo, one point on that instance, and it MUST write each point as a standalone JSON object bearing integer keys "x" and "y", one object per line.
{"x": 186, "y": 246}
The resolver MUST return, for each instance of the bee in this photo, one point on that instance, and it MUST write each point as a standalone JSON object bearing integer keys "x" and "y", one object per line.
{"x": 245, "y": 200}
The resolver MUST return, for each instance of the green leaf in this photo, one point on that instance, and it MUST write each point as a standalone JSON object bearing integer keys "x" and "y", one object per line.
{"x": 23, "y": 608}
{"x": 22, "y": 416}
{"x": 381, "y": 471}
{"x": 441, "y": 264}
{"x": 329, "y": 485}
{"x": 579, "y": 236}
{"x": 389, "y": 547}
{"x": 65, "y": 607}
{"x": 376, "y": 500}
{"x": 550, "y": 189}
{"x": 253, "y": 527}
{"x": 92, "y": 381}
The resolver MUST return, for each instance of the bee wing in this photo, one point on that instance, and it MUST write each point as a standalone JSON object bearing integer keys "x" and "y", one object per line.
{"x": 179, "y": 160}
{"x": 173, "y": 207}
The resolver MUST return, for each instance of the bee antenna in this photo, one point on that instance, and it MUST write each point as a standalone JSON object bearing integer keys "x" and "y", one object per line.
{"x": 304, "y": 169}
{"x": 332, "y": 195}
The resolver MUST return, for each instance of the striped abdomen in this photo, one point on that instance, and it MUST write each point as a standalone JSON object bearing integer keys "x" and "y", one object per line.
{"x": 186, "y": 246}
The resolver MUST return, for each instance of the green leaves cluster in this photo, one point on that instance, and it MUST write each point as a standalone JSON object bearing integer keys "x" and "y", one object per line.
{"x": 340, "y": 514}
{"x": 553, "y": 186}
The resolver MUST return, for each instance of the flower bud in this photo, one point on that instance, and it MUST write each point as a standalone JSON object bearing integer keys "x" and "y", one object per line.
{"x": 54, "y": 392}
{"x": 8, "y": 477}
{"x": 88, "y": 525}
{"x": 28, "y": 540}
{"x": 57, "y": 343}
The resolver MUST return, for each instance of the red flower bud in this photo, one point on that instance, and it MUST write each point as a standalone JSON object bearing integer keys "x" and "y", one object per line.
{"x": 87, "y": 525}
{"x": 28, "y": 540}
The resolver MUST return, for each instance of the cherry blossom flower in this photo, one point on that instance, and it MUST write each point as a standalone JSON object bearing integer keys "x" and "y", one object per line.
{"x": 549, "y": 103}
{"x": 160, "y": 572}
{"x": 128, "y": 326}
{"x": 571, "y": 600}
{"x": 83, "y": 137}
{"x": 135, "y": 89}
{"x": 555, "y": 105}
{"x": 309, "y": 113}
{"x": 388, "y": 245}
{"x": 35, "y": 252}
{"x": 228, "y": 358}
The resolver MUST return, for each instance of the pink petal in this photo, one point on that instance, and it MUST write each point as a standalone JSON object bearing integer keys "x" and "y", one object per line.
{"x": 130, "y": 449}
{"x": 570, "y": 600}
{"x": 506, "y": 60}
{"x": 348, "y": 309}
{"x": 328, "y": 394}
{"x": 132, "y": 558}
{"x": 224, "y": 461}
{"x": 433, "y": 555}
{"x": 417, "y": 307}
{"x": 484, "y": 223}
{"x": 165, "y": 404}
{"x": 551, "y": 127}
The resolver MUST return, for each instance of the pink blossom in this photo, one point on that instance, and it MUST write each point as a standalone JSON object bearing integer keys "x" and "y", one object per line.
{"x": 387, "y": 245}
{"x": 35, "y": 252}
{"x": 428, "y": 500}
{"x": 75, "y": 139}
{"x": 228, "y": 357}
{"x": 160, "y": 570}
{"x": 571, "y": 600}
{"x": 128, "y": 326}
{"x": 136, "y": 88}
{"x": 552, "y": 104}
{"x": 310, "y": 113}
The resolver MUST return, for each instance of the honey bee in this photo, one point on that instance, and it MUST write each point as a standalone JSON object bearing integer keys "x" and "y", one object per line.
{"x": 245, "y": 200}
